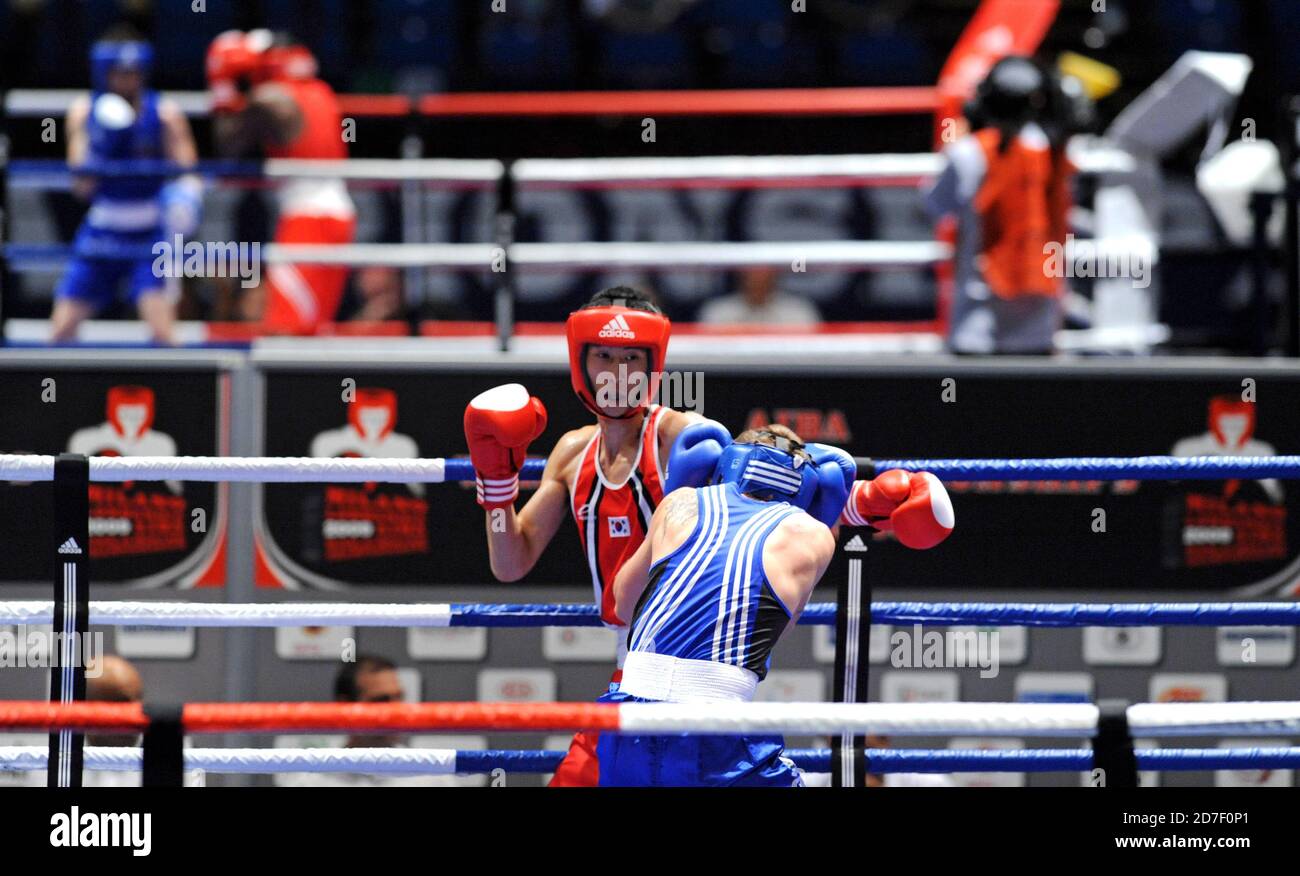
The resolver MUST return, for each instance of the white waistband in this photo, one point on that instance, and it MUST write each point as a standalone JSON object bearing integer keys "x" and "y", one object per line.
{"x": 677, "y": 680}
{"x": 312, "y": 196}
{"x": 110, "y": 215}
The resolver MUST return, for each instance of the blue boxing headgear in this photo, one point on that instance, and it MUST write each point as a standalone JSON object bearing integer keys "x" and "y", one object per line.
{"x": 106, "y": 55}
{"x": 784, "y": 472}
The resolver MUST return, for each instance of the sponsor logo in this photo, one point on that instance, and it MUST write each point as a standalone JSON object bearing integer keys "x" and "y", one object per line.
{"x": 811, "y": 424}
{"x": 70, "y": 547}
{"x": 617, "y": 328}
{"x": 856, "y": 544}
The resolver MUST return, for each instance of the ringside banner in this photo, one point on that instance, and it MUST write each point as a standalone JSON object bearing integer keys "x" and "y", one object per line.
{"x": 1231, "y": 536}
{"x": 142, "y": 533}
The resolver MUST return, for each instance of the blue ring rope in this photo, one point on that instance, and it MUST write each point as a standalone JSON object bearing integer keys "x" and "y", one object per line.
{"x": 952, "y": 760}
{"x": 1142, "y": 614}
{"x": 1082, "y": 468}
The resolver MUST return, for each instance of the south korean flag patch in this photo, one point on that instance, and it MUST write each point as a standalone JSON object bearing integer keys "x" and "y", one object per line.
{"x": 620, "y": 527}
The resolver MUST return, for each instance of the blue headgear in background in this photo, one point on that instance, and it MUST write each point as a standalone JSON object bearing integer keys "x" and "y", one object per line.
{"x": 106, "y": 55}
{"x": 769, "y": 472}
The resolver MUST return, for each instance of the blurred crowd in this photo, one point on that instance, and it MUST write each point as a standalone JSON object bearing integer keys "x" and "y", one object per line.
{"x": 433, "y": 45}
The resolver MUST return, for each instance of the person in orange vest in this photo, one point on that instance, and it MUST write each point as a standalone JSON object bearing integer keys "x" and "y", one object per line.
{"x": 1007, "y": 182}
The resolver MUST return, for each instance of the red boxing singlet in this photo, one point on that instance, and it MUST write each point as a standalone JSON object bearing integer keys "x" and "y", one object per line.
{"x": 613, "y": 519}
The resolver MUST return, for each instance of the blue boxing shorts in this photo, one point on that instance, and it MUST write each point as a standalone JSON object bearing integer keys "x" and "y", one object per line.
{"x": 94, "y": 280}
{"x": 691, "y": 760}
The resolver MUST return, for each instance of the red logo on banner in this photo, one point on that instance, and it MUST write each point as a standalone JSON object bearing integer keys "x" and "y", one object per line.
{"x": 126, "y": 522}
{"x": 365, "y": 521}
{"x": 1234, "y": 524}
{"x": 128, "y": 519}
{"x": 810, "y": 424}
{"x": 360, "y": 523}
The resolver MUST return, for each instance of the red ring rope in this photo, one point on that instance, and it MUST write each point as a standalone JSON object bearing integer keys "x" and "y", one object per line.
{"x": 318, "y": 717}
{"x": 756, "y": 102}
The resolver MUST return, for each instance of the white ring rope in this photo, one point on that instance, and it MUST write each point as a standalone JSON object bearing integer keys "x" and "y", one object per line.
{"x": 880, "y": 167}
{"x": 1077, "y": 720}
{"x": 231, "y": 614}
{"x": 860, "y": 254}
{"x": 425, "y": 170}
{"x": 1212, "y": 719}
{"x": 465, "y": 256}
{"x": 254, "y": 469}
{"x": 877, "y": 255}
{"x": 391, "y": 761}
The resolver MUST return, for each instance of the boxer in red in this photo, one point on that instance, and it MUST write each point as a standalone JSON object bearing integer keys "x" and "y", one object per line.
{"x": 613, "y": 474}
{"x": 266, "y": 95}
{"x": 609, "y": 475}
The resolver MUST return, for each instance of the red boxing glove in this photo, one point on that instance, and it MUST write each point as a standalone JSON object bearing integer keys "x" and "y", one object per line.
{"x": 914, "y": 505}
{"x": 230, "y": 63}
{"x": 499, "y": 426}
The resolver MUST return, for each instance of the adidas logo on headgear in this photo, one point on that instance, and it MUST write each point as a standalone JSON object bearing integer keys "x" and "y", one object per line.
{"x": 617, "y": 328}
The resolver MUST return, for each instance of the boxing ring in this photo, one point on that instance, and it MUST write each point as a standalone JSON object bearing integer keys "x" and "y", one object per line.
{"x": 501, "y": 258}
{"x": 1110, "y": 727}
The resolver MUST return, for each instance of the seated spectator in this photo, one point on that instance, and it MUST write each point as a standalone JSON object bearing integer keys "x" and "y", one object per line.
{"x": 368, "y": 679}
{"x": 379, "y": 288}
{"x": 759, "y": 302}
{"x": 113, "y": 679}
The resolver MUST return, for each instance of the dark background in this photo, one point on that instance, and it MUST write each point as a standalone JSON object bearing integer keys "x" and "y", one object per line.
{"x": 1016, "y": 539}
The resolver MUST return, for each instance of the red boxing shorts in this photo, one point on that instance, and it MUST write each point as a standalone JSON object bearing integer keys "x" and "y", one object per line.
{"x": 300, "y": 298}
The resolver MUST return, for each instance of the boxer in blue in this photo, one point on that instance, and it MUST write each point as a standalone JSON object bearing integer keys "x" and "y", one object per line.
{"x": 724, "y": 570}
{"x": 122, "y": 119}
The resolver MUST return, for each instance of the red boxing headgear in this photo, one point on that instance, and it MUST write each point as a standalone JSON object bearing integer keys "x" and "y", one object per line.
{"x": 232, "y": 58}
{"x": 286, "y": 62}
{"x": 373, "y": 398}
{"x": 615, "y": 326}
{"x": 1228, "y": 404}
{"x": 130, "y": 395}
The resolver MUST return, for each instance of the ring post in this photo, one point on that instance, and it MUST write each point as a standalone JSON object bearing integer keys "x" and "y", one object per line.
{"x": 71, "y": 619}
{"x": 852, "y": 639}
{"x": 1290, "y": 146}
{"x": 164, "y": 747}
{"x": 412, "y": 201}
{"x": 505, "y": 238}
{"x": 1113, "y": 757}
{"x": 5, "y": 236}
{"x": 1261, "y": 208}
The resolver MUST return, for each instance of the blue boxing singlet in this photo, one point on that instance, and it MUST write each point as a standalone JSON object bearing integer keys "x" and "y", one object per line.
{"x": 703, "y": 632}
{"x": 114, "y": 243}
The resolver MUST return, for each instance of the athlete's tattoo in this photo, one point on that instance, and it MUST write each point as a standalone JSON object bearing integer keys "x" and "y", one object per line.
{"x": 681, "y": 509}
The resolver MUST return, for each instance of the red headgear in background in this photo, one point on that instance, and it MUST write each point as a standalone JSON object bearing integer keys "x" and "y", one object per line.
{"x": 129, "y": 395}
{"x": 1224, "y": 405}
{"x": 373, "y": 398}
